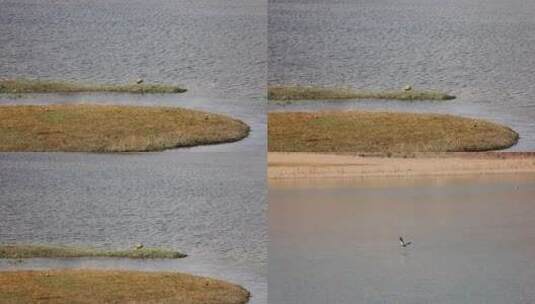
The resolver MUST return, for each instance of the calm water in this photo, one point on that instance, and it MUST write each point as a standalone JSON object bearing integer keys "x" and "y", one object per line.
{"x": 337, "y": 242}
{"x": 481, "y": 51}
{"x": 206, "y": 201}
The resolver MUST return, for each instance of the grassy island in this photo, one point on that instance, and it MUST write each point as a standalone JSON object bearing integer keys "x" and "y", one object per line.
{"x": 383, "y": 132}
{"x": 42, "y": 251}
{"x": 289, "y": 93}
{"x": 22, "y": 86}
{"x": 92, "y": 286}
{"x": 97, "y": 128}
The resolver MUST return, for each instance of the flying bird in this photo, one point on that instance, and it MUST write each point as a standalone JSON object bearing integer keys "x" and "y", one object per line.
{"x": 403, "y": 243}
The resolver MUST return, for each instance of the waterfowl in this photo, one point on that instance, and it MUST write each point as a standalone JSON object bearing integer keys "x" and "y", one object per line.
{"x": 403, "y": 243}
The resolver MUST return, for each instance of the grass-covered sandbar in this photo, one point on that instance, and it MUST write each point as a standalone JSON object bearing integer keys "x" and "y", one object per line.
{"x": 103, "y": 128}
{"x": 15, "y": 251}
{"x": 23, "y": 86}
{"x": 383, "y": 132}
{"x": 94, "y": 286}
{"x": 295, "y": 93}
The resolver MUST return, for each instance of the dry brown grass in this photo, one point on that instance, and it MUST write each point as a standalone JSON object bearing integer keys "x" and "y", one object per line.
{"x": 44, "y": 251}
{"x": 288, "y": 93}
{"x": 383, "y": 132}
{"x": 18, "y": 86}
{"x": 91, "y": 286}
{"x": 95, "y": 128}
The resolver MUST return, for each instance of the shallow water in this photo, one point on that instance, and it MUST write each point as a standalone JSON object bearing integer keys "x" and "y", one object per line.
{"x": 336, "y": 241}
{"x": 480, "y": 51}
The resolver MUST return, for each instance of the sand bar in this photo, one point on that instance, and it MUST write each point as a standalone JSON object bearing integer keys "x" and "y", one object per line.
{"x": 318, "y": 165}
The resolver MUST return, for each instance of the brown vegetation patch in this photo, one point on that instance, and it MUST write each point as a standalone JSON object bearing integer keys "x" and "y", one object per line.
{"x": 383, "y": 132}
{"x": 91, "y": 286}
{"x": 96, "y": 128}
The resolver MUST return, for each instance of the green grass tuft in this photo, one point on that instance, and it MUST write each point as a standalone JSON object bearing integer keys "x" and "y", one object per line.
{"x": 25, "y": 86}
{"x": 44, "y": 251}
{"x": 289, "y": 93}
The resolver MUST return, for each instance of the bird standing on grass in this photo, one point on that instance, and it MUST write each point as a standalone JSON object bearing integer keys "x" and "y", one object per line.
{"x": 403, "y": 243}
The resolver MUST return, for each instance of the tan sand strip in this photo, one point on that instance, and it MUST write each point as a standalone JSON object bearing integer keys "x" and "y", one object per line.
{"x": 317, "y": 165}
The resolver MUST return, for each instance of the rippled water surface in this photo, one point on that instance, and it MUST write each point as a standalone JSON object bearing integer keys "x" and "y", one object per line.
{"x": 210, "y": 205}
{"x": 207, "y": 201}
{"x": 214, "y": 48}
{"x": 337, "y": 242}
{"x": 480, "y": 51}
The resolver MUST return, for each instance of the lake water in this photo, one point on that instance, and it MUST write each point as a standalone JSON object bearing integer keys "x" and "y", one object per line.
{"x": 481, "y": 51}
{"x": 210, "y": 205}
{"x": 336, "y": 241}
{"x": 208, "y": 201}
{"x": 213, "y": 48}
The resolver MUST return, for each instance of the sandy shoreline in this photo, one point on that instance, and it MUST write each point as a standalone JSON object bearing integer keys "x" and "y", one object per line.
{"x": 319, "y": 165}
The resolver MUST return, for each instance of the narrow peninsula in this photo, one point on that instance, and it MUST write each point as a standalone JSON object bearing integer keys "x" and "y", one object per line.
{"x": 27, "y": 86}
{"x": 295, "y": 93}
{"x": 16, "y": 251}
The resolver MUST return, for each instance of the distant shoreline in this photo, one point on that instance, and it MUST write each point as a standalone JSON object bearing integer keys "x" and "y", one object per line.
{"x": 282, "y": 165}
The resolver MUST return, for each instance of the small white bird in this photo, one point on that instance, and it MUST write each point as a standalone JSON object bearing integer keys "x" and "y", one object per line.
{"x": 407, "y": 88}
{"x": 403, "y": 243}
{"x": 139, "y": 81}
{"x": 139, "y": 246}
